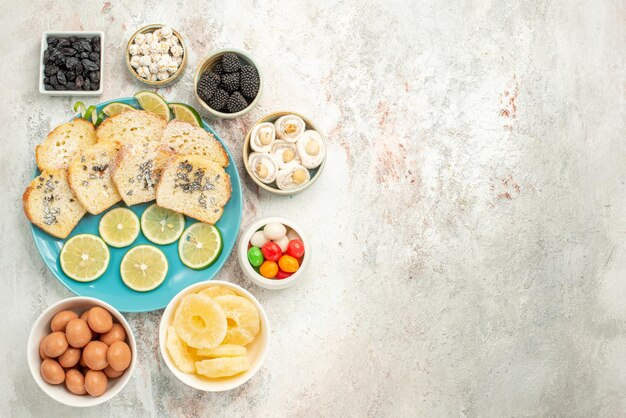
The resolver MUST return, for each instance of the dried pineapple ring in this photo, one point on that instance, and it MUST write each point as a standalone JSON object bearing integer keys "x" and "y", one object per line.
{"x": 226, "y": 350}
{"x": 243, "y": 319}
{"x": 214, "y": 291}
{"x": 222, "y": 367}
{"x": 181, "y": 353}
{"x": 200, "y": 321}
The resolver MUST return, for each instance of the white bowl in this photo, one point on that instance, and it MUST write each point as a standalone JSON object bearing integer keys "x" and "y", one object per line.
{"x": 41, "y": 328}
{"x": 275, "y": 284}
{"x": 257, "y": 349}
{"x": 44, "y": 46}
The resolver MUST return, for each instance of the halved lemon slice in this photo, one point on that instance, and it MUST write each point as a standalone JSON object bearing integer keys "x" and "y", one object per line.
{"x": 154, "y": 103}
{"x": 186, "y": 113}
{"x": 119, "y": 227}
{"x": 200, "y": 245}
{"x": 116, "y": 108}
{"x": 162, "y": 226}
{"x": 84, "y": 257}
{"x": 143, "y": 268}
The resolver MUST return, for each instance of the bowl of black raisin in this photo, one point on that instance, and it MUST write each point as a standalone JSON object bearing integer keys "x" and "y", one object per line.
{"x": 228, "y": 83}
{"x": 71, "y": 63}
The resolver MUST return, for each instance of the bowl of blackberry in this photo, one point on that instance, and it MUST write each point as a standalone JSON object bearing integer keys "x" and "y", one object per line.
{"x": 228, "y": 83}
{"x": 71, "y": 63}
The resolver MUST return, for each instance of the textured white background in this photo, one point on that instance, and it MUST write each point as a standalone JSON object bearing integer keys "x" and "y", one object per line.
{"x": 469, "y": 227}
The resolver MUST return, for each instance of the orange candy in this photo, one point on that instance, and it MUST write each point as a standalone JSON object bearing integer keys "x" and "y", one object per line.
{"x": 288, "y": 264}
{"x": 268, "y": 269}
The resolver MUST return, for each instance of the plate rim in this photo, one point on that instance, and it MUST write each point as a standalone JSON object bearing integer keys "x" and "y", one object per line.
{"x": 219, "y": 265}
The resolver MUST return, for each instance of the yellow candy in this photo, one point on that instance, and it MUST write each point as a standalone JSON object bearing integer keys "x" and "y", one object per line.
{"x": 288, "y": 264}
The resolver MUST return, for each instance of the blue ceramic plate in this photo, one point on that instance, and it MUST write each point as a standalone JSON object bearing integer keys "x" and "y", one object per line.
{"x": 109, "y": 287}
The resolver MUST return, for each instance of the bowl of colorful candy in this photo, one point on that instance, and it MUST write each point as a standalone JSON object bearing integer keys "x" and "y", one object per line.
{"x": 274, "y": 253}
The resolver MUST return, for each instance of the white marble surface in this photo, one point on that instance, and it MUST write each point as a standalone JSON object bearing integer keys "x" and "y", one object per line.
{"x": 469, "y": 228}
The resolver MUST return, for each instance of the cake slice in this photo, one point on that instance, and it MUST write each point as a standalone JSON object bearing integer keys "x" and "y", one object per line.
{"x": 131, "y": 127}
{"x": 60, "y": 146}
{"x": 50, "y": 204}
{"x": 186, "y": 138}
{"x": 136, "y": 170}
{"x": 196, "y": 186}
{"x": 89, "y": 177}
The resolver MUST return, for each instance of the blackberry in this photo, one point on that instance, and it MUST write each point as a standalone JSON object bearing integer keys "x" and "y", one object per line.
{"x": 249, "y": 81}
{"x": 218, "y": 69}
{"x": 230, "y": 62}
{"x": 230, "y": 82}
{"x": 218, "y": 100}
{"x": 236, "y": 103}
{"x": 207, "y": 85}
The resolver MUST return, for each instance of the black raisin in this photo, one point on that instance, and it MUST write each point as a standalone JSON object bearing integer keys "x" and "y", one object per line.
{"x": 84, "y": 54}
{"x": 86, "y": 84}
{"x": 50, "y": 70}
{"x": 94, "y": 76}
{"x": 90, "y": 65}
{"x": 94, "y": 56}
{"x": 55, "y": 55}
{"x": 70, "y": 75}
{"x": 71, "y": 62}
{"x": 79, "y": 82}
{"x": 61, "y": 77}
{"x": 71, "y": 85}
{"x": 52, "y": 40}
{"x": 68, "y": 52}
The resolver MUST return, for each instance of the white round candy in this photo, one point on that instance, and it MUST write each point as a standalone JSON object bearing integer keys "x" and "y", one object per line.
{"x": 140, "y": 38}
{"x": 133, "y": 49}
{"x": 258, "y": 239}
{"x": 291, "y": 234}
{"x": 274, "y": 231}
{"x": 166, "y": 31}
{"x": 144, "y": 49}
{"x": 164, "y": 47}
{"x": 135, "y": 61}
{"x": 146, "y": 60}
{"x": 282, "y": 242}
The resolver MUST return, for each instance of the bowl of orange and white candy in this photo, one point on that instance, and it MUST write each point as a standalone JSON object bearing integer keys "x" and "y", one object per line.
{"x": 214, "y": 336}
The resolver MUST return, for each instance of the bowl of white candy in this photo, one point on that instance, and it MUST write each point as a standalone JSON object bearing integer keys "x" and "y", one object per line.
{"x": 156, "y": 55}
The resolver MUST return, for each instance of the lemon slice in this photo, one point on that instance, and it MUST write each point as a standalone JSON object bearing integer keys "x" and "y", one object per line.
{"x": 200, "y": 245}
{"x": 119, "y": 227}
{"x": 116, "y": 108}
{"x": 143, "y": 268}
{"x": 162, "y": 226}
{"x": 84, "y": 257}
{"x": 154, "y": 103}
{"x": 186, "y": 113}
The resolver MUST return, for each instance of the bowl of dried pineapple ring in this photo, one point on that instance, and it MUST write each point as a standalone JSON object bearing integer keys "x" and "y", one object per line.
{"x": 214, "y": 336}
